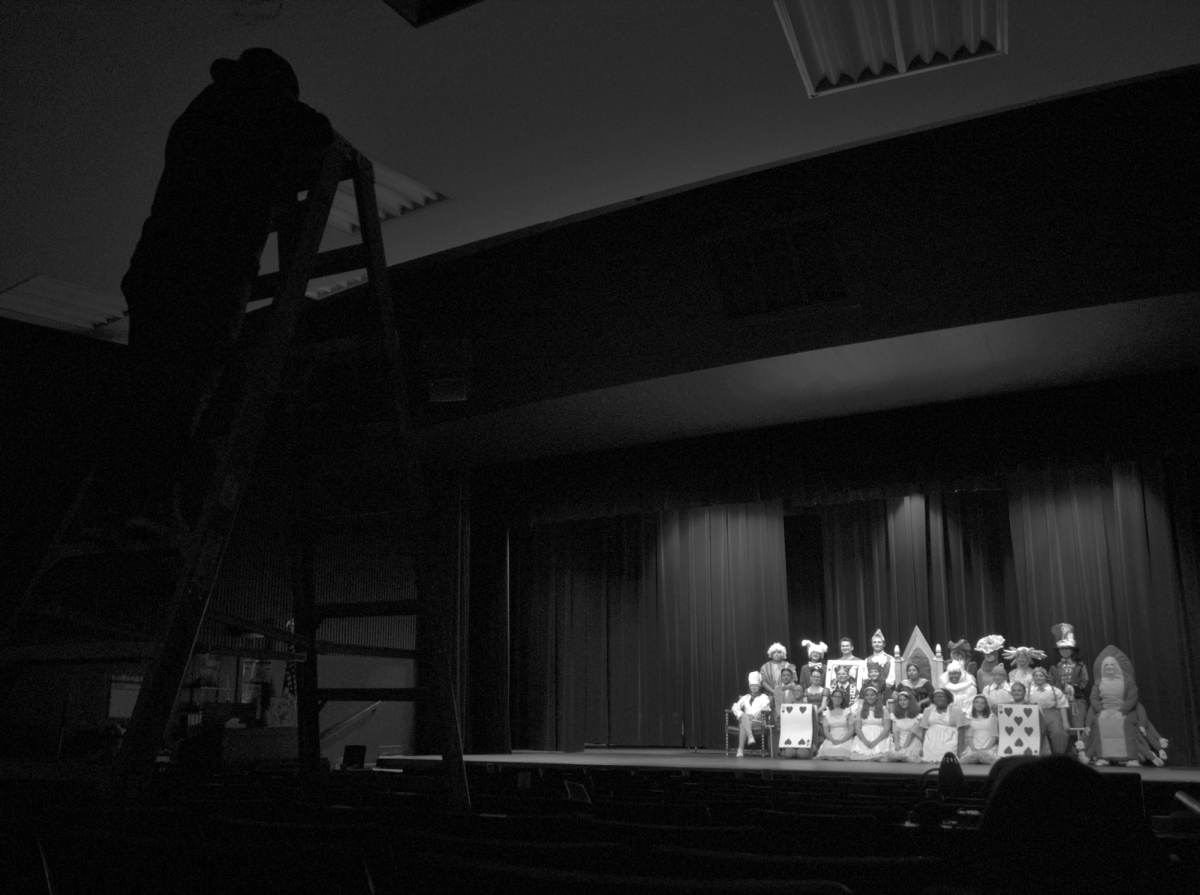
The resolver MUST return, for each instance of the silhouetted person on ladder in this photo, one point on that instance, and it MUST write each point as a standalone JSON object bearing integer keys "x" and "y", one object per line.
{"x": 229, "y": 158}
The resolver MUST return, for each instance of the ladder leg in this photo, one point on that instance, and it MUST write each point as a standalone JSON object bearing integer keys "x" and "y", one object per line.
{"x": 308, "y": 709}
{"x": 442, "y": 687}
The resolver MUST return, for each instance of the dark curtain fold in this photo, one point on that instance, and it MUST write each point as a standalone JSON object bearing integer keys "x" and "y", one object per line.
{"x": 572, "y": 583}
{"x": 723, "y": 595}
{"x": 640, "y": 630}
{"x": 941, "y": 562}
{"x": 1096, "y": 547}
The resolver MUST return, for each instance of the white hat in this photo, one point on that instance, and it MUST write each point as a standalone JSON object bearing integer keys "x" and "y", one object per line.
{"x": 777, "y": 646}
{"x": 814, "y": 646}
{"x": 990, "y": 644}
{"x": 1065, "y": 634}
{"x": 954, "y": 666}
{"x": 755, "y": 678}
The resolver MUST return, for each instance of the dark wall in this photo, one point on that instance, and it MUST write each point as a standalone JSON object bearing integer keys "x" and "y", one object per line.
{"x": 1075, "y": 202}
{"x": 824, "y": 460}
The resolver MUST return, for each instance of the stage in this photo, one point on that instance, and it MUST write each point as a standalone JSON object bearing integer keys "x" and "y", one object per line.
{"x": 708, "y": 760}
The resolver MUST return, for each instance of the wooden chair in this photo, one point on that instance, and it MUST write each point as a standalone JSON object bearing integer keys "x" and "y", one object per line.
{"x": 764, "y": 732}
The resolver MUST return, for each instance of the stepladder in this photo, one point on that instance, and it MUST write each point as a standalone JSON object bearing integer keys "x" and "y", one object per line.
{"x": 46, "y": 628}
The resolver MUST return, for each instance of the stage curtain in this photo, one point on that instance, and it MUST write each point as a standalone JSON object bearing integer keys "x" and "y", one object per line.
{"x": 723, "y": 601}
{"x": 1096, "y": 547}
{"x": 584, "y": 608}
{"x": 938, "y": 561}
{"x": 640, "y": 630}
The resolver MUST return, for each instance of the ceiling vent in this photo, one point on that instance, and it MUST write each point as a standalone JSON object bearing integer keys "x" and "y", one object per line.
{"x": 45, "y": 301}
{"x": 422, "y": 12}
{"x": 395, "y": 195}
{"x": 839, "y": 44}
{"x": 784, "y": 266}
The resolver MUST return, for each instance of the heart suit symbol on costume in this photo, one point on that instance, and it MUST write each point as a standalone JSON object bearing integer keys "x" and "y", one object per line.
{"x": 1019, "y": 743}
{"x": 1008, "y": 750}
{"x": 1009, "y": 730}
{"x": 1028, "y": 731}
{"x": 788, "y": 741}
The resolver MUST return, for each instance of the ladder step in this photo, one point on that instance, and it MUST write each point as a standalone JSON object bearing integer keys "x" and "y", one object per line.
{"x": 370, "y": 609}
{"x": 341, "y": 260}
{"x": 369, "y": 694}
{"x": 95, "y": 651}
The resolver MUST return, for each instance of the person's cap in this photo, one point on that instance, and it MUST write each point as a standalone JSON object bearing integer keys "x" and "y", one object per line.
{"x": 257, "y": 64}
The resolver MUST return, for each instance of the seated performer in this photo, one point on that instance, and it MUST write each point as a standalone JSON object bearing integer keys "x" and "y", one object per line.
{"x": 1052, "y": 704}
{"x": 906, "y": 729}
{"x": 960, "y": 684}
{"x": 1070, "y": 675}
{"x": 990, "y": 646}
{"x": 944, "y": 728}
{"x": 837, "y": 728}
{"x": 918, "y": 686}
{"x": 875, "y": 679}
{"x": 816, "y": 661}
{"x": 880, "y": 658}
{"x": 751, "y": 711}
{"x": 983, "y": 735}
{"x": 1118, "y": 729}
{"x": 776, "y": 661}
{"x": 997, "y": 691}
{"x": 872, "y": 727}
{"x": 1022, "y": 658}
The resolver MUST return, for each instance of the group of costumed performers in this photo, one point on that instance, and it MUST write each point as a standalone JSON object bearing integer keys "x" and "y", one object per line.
{"x": 866, "y": 714}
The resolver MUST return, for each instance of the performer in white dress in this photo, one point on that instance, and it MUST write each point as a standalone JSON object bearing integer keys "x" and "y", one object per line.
{"x": 837, "y": 725}
{"x": 872, "y": 727}
{"x": 983, "y": 735}
{"x": 942, "y": 723}
{"x": 905, "y": 743}
{"x": 959, "y": 684}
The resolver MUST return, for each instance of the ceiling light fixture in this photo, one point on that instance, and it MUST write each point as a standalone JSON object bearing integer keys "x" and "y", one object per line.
{"x": 395, "y": 195}
{"x": 839, "y": 44}
{"x": 45, "y": 301}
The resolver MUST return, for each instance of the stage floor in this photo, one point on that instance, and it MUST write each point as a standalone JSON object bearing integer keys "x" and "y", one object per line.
{"x": 711, "y": 760}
